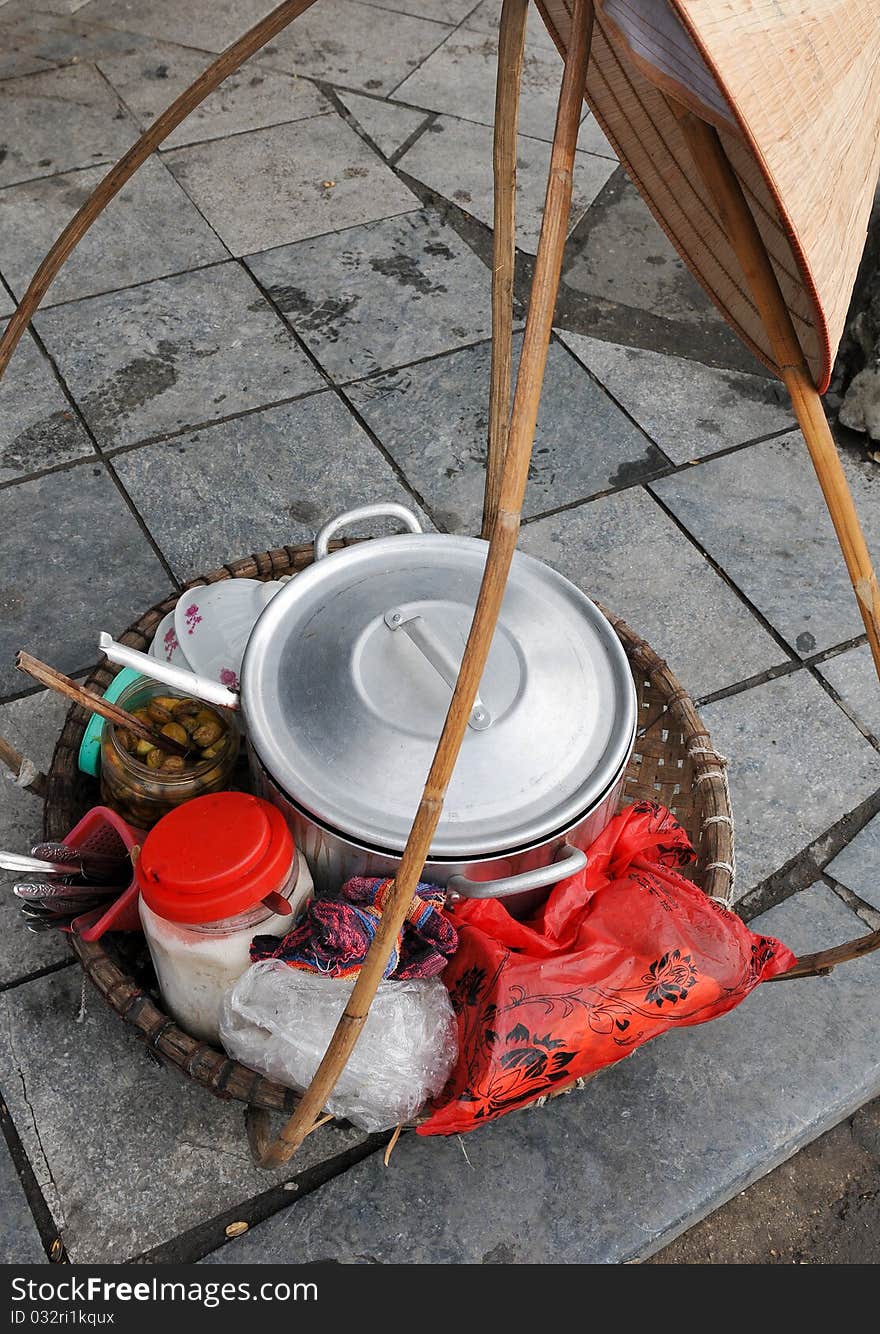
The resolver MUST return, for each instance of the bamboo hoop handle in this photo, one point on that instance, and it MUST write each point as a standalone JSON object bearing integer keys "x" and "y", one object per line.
{"x": 812, "y": 965}
{"x": 511, "y": 47}
{"x": 712, "y": 162}
{"x": 107, "y": 188}
{"x": 24, "y": 770}
{"x": 545, "y": 284}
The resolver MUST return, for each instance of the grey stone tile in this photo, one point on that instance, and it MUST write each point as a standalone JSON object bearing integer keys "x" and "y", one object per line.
{"x": 32, "y": 725}
{"x": 150, "y": 229}
{"x": 387, "y": 125}
{"x": 128, "y": 1153}
{"x": 626, "y": 552}
{"x": 442, "y": 11}
{"x": 858, "y": 865}
{"x": 621, "y": 254}
{"x": 62, "y": 6}
{"x": 854, "y": 677}
{"x": 7, "y": 305}
{"x": 380, "y": 295}
{"x": 250, "y": 99}
{"x": 687, "y": 408}
{"x": 67, "y": 40}
{"x": 459, "y": 78}
{"x": 281, "y": 184}
{"x": 592, "y": 139}
{"x": 487, "y": 18}
{"x": 211, "y": 25}
{"x": 175, "y": 353}
{"x": 355, "y": 45}
{"x": 454, "y": 158}
{"x": 96, "y": 569}
{"x": 264, "y": 480}
{"x": 433, "y": 419}
{"x": 612, "y": 1172}
{"x": 797, "y": 766}
{"x": 759, "y": 512}
{"x": 18, "y": 55}
{"x": 39, "y": 427}
{"x": 19, "y": 1239}
{"x": 57, "y": 120}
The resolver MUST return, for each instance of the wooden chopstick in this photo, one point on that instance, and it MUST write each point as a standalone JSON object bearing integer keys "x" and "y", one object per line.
{"x": 55, "y": 680}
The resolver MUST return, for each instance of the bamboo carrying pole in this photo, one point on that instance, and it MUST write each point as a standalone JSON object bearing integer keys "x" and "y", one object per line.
{"x": 225, "y": 64}
{"x": 745, "y": 238}
{"x": 511, "y": 45}
{"x": 545, "y": 284}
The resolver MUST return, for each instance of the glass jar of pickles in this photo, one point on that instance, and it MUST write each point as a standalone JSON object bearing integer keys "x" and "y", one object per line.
{"x": 140, "y": 781}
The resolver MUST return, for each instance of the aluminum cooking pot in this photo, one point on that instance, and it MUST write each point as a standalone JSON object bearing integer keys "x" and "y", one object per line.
{"x": 345, "y": 685}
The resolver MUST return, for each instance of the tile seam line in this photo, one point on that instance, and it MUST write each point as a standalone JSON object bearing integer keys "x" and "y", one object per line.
{"x": 31, "y": 1113}
{"x": 55, "y": 175}
{"x": 343, "y": 399}
{"x": 159, "y": 159}
{"x": 808, "y": 663}
{"x": 235, "y": 134}
{"x": 104, "y": 26}
{"x": 329, "y": 383}
{"x": 819, "y": 660}
{"x": 195, "y": 1249}
{"x": 168, "y": 437}
{"x": 560, "y": 342}
{"x": 688, "y": 463}
{"x": 651, "y": 476}
{"x": 779, "y": 640}
{"x": 28, "y": 692}
{"x": 335, "y": 98}
{"x": 47, "y": 1229}
{"x": 452, "y": 29}
{"x": 106, "y": 463}
{"x": 859, "y": 908}
{"x": 37, "y": 974}
{"x": 47, "y": 306}
{"x": 411, "y": 140}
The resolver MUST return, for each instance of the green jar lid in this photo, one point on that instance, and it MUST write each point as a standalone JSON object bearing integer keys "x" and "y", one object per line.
{"x": 90, "y": 746}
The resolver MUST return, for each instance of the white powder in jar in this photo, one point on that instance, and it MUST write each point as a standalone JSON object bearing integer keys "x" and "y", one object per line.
{"x": 195, "y": 963}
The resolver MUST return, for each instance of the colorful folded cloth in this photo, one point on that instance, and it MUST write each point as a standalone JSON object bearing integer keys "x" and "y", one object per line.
{"x": 336, "y": 932}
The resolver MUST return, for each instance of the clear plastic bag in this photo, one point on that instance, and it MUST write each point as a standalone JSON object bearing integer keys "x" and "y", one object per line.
{"x": 278, "y": 1020}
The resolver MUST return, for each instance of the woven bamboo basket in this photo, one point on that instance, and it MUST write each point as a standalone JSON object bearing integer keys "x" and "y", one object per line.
{"x": 673, "y": 762}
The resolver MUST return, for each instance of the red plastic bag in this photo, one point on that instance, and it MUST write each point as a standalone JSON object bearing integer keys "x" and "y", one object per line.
{"x": 618, "y": 954}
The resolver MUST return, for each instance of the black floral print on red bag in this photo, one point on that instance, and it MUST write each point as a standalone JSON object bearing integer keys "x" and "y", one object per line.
{"x": 670, "y": 978}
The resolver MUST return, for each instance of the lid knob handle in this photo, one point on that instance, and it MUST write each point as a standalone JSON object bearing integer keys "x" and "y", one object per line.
{"x": 382, "y": 509}
{"x": 417, "y": 629}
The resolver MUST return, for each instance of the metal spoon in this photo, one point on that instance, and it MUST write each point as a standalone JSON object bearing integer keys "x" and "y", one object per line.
{"x": 93, "y": 865}
{"x": 59, "y": 890}
{"x": 17, "y": 861}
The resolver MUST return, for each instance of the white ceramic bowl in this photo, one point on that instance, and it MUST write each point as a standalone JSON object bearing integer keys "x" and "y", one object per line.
{"x": 166, "y": 645}
{"x": 214, "y": 624}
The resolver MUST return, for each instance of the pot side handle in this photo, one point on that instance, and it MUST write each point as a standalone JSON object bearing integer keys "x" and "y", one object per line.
{"x": 382, "y": 509}
{"x": 569, "y": 861}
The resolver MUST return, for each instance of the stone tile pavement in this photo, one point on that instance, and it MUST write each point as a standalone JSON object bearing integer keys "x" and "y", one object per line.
{"x": 285, "y": 313}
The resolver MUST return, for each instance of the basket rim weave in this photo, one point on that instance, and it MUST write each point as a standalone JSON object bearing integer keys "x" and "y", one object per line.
{"x": 201, "y": 1061}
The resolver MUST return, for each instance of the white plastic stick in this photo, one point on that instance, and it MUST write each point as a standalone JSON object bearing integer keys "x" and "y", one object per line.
{"x": 212, "y": 692}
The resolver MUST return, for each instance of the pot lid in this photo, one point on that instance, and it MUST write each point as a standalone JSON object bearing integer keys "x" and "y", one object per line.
{"x": 345, "y": 693}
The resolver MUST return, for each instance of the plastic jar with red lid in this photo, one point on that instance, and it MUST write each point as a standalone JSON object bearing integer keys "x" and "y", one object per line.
{"x": 207, "y": 874}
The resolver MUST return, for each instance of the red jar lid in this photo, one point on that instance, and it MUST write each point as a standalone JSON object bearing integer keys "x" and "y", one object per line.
{"x": 214, "y": 857}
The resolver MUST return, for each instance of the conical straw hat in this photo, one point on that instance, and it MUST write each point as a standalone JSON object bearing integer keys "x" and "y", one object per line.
{"x": 793, "y": 87}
